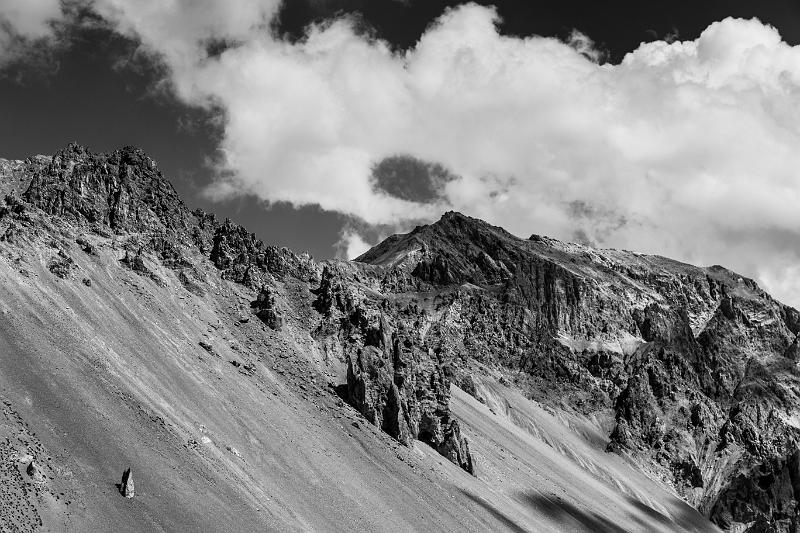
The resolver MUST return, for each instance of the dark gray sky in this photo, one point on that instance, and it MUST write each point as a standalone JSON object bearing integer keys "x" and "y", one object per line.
{"x": 101, "y": 80}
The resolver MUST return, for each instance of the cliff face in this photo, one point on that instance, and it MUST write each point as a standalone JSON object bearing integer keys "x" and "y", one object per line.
{"x": 397, "y": 379}
{"x": 123, "y": 190}
{"x": 697, "y": 365}
{"x": 691, "y": 372}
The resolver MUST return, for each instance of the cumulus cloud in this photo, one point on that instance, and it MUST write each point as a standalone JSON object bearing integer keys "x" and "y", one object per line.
{"x": 30, "y": 18}
{"x": 25, "y": 23}
{"x": 685, "y": 148}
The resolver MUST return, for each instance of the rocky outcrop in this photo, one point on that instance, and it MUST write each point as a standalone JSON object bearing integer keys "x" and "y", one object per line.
{"x": 266, "y": 309}
{"x": 765, "y": 498}
{"x": 61, "y": 265}
{"x": 456, "y": 447}
{"x": 123, "y": 190}
{"x": 394, "y": 378}
{"x": 697, "y": 364}
{"x": 126, "y": 486}
{"x": 245, "y": 259}
{"x": 85, "y": 245}
{"x": 135, "y": 261}
{"x": 398, "y": 389}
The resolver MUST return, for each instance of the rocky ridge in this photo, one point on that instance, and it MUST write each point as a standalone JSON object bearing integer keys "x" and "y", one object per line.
{"x": 697, "y": 366}
{"x": 124, "y": 194}
{"x": 693, "y": 368}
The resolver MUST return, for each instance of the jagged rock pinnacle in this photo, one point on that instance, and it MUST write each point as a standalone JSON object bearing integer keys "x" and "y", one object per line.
{"x": 126, "y": 487}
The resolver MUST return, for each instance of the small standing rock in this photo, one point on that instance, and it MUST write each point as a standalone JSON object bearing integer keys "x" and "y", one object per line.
{"x": 35, "y": 472}
{"x": 126, "y": 487}
{"x": 267, "y": 310}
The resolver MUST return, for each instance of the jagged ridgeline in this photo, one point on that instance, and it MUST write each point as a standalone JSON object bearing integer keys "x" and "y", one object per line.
{"x": 124, "y": 192}
{"x": 404, "y": 391}
{"x": 691, "y": 372}
{"x": 697, "y": 365}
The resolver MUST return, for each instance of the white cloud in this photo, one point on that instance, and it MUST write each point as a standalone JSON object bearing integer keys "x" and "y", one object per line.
{"x": 25, "y": 22}
{"x": 351, "y": 245}
{"x": 584, "y": 45}
{"x": 686, "y": 148}
{"x": 30, "y": 18}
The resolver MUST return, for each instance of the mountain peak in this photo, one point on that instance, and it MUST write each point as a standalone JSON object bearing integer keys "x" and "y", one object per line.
{"x": 668, "y": 358}
{"x": 456, "y": 239}
{"x": 450, "y": 216}
{"x": 456, "y": 219}
{"x": 123, "y": 189}
{"x": 73, "y": 149}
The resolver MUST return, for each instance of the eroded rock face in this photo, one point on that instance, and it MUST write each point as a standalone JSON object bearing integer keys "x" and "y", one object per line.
{"x": 399, "y": 390}
{"x": 123, "y": 189}
{"x": 394, "y": 378}
{"x": 697, "y": 364}
{"x": 245, "y": 259}
{"x": 766, "y": 497}
{"x": 456, "y": 447}
{"x": 267, "y": 310}
{"x": 125, "y": 192}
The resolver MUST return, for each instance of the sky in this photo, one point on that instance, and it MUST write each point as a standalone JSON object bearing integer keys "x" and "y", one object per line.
{"x": 327, "y": 125}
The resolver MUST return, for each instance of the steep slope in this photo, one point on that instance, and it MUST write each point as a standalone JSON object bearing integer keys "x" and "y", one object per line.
{"x": 693, "y": 371}
{"x": 135, "y": 333}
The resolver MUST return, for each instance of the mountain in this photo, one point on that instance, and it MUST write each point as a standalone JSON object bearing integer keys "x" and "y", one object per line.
{"x": 693, "y": 370}
{"x": 453, "y": 378}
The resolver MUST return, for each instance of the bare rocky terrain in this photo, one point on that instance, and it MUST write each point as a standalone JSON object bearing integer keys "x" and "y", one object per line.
{"x": 453, "y": 378}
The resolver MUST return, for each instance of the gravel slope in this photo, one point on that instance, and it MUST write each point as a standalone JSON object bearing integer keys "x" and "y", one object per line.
{"x": 98, "y": 378}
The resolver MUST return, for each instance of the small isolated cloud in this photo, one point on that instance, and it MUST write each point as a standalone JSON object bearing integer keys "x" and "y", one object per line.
{"x": 585, "y": 46}
{"x": 351, "y": 245}
{"x": 685, "y": 148}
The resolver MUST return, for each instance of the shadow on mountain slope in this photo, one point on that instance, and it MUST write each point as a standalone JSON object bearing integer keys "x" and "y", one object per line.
{"x": 511, "y": 524}
{"x": 649, "y": 511}
{"x": 561, "y": 511}
{"x": 687, "y": 518}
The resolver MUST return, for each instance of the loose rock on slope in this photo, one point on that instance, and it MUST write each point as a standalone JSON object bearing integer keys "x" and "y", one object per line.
{"x": 694, "y": 367}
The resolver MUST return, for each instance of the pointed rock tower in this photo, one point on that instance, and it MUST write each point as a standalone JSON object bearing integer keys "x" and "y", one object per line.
{"x": 126, "y": 487}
